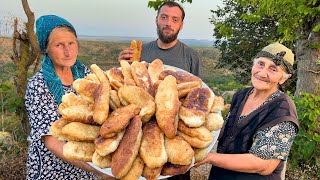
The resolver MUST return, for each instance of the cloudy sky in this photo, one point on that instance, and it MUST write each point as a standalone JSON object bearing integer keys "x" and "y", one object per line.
{"x": 115, "y": 17}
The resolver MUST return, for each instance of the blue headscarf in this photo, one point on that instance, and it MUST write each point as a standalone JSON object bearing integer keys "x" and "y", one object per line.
{"x": 44, "y": 26}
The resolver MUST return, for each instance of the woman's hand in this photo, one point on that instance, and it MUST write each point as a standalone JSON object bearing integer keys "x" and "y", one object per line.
{"x": 126, "y": 54}
{"x": 207, "y": 160}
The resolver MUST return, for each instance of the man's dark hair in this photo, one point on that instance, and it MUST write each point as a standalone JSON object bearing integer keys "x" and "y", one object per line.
{"x": 172, "y": 4}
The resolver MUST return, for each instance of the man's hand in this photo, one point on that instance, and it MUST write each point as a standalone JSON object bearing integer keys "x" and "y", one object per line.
{"x": 126, "y": 54}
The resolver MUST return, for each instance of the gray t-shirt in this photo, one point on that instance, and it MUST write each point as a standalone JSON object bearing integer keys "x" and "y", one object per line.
{"x": 180, "y": 55}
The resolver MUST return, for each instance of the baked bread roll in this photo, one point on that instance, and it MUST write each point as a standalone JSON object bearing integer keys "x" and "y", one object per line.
{"x": 137, "y": 48}
{"x": 99, "y": 73}
{"x": 101, "y": 103}
{"x": 170, "y": 169}
{"x": 114, "y": 102}
{"x": 141, "y": 77}
{"x": 167, "y": 106}
{"x": 80, "y": 113}
{"x": 136, "y": 95}
{"x": 85, "y": 88}
{"x": 152, "y": 149}
{"x": 71, "y": 99}
{"x": 82, "y": 151}
{"x": 199, "y": 137}
{"x": 136, "y": 170}
{"x": 126, "y": 153}
{"x": 56, "y": 129}
{"x": 218, "y": 104}
{"x": 92, "y": 77}
{"x": 196, "y": 106}
{"x": 200, "y": 154}
{"x": 115, "y": 78}
{"x": 101, "y": 161}
{"x": 77, "y": 131}
{"x": 61, "y": 107}
{"x": 151, "y": 174}
{"x": 185, "y": 88}
{"x": 214, "y": 122}
{"x": 179, "y": 151}
{"x": 105, "y": 146}
{"x": 154, "y": 69}
{"x": 118, "y": 120}
{"x": 126, "y": 71}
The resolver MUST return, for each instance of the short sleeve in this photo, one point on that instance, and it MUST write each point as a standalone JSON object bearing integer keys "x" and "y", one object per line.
{"x": 274, "y": 142}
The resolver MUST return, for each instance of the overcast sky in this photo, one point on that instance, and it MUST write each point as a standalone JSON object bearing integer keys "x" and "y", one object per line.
{"x": 115, "y": 17}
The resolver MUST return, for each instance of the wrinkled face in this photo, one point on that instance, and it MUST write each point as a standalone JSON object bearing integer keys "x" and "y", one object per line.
{"x": 169, "y": 23}
{"x": 265, "y": 75}
{"x": 62, "y": 47}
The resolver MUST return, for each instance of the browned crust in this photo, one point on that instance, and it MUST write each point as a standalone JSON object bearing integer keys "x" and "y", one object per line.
{"x": 181, "y": 76}
{"x": 118, "y": 120}
{"x": 128, "y": 148}
{"x": 141, "y": 77}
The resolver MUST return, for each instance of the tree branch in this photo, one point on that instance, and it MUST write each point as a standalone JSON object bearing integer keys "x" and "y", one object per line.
{"x": 312, "y": 71}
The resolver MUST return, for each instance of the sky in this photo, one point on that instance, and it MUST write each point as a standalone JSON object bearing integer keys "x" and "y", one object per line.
{"x": 130, "y": 18}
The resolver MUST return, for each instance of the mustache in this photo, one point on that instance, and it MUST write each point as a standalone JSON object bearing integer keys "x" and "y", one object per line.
{"x": 167, "y": 28}
{"x": 266, "y": 79}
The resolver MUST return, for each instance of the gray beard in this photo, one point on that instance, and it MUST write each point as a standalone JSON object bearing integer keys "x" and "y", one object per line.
{"x": 166, "y": 39}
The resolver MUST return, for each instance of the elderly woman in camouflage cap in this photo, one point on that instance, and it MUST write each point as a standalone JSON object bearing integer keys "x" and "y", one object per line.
{"x": 262, "y": 122}
{"x": 58, "y": 41}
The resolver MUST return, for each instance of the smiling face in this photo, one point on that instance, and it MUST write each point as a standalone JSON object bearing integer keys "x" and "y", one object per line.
{"x": 62, "y": 47}
{"x": 169, "y": 23}
{"x": 265, "y": 75}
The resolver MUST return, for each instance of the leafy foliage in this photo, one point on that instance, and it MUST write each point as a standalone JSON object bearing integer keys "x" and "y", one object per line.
{"x": 238, "y": 39}
{"x": 305, "y": 150}
{"x": 155, "y": 4}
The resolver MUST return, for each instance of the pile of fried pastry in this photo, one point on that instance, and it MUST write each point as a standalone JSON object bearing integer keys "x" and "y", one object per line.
{"x": 143, "y": 119}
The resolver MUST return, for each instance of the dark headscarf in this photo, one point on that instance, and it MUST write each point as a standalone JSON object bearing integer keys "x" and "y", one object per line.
{"x": 44, "y": 26}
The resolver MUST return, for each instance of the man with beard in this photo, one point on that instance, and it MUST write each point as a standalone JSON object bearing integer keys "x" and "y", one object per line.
{"x": 167, "y": 47}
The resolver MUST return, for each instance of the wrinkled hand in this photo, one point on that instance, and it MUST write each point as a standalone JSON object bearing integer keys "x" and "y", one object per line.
{"x": 126, "y": 54}
{"x": 207, "y": 160}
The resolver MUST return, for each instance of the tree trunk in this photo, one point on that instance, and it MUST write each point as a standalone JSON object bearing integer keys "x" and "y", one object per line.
{"x": 308, "y": 63}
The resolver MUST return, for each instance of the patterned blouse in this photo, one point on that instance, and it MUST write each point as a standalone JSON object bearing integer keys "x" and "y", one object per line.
{"x": 43, "y": 111}
{"x": 273, "y": 142}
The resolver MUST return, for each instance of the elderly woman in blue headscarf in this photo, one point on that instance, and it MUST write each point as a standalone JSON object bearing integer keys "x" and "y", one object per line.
{"x": 58, "y": 41}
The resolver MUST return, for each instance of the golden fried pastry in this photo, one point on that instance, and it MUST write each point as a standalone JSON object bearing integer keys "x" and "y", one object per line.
{"x": 77, "y": 131}
{"x": 82, "y": 151}
{"x": 78, "y": 113}
{"x": 218, "y": 104}
{"x": 115, "y": 78}
{"x": 195, "y": 141}
{"x": 101, "y": 103}
{"x": 214, "y": 122}
{"x": 141, "y": 77}
{"x": 200, "y": 154}
{"x": 105, "y": 146}
{"x": 136, "y": 170}
{"x": 99, "y": 73}
{"x": 93, "y": 77}
{"x": 136, "y": 95}
{"x": 126, "y": 153}
{"x": 122, "y": 100}
{"x": 181, "y": 76}
{"x": 85, "y": 88}
{"x": 152, "y": 149}
{"x": 154, "y": 69}
{"x": 137, "y": 48}
{"x": 185, "y": 88}
{"x": 101, "y": 161}
{"x": 56, "y": 129}
{"x": 61, "y": 107}
{"x": 71, "y": 99}
{"x": 170, "y": 169}
{"x": 179, "y": 151}
{"x": 126, "y": 71}
{"x": 167, "y": 106}
{"x": 151, "y": 174}
{"x": 196, "y": 106}
{"x": 201, "y": 133}
{"x": 118, "y": 120}
{"x": 114, "y": 100}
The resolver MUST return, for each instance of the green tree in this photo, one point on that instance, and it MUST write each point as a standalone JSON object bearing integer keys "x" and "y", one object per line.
{"x": 155, "y": 4}
{"x": 238, "y": 39}
{"x": 298, "y": 23}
